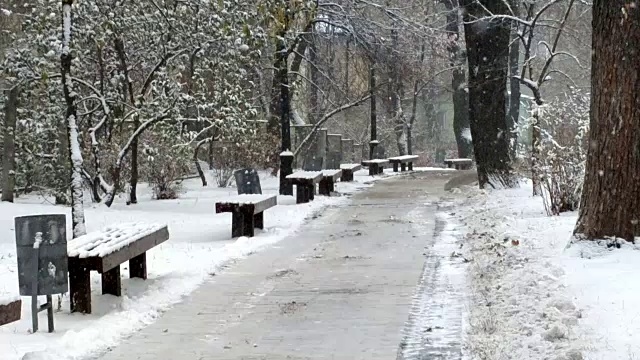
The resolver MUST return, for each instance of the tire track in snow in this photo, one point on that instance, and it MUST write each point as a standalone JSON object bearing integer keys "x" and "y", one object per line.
{"x": 434, "y": 327}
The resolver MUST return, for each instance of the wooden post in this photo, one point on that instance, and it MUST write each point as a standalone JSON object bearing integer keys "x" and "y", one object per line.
{"x": 395, "y": 167}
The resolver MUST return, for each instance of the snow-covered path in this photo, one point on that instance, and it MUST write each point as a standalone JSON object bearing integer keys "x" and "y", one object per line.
{"x": 341, "y": 288}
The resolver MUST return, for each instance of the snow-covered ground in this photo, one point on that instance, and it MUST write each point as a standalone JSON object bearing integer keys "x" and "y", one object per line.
{"x": 200, "y": 244}
{"x": 537, "y": 296}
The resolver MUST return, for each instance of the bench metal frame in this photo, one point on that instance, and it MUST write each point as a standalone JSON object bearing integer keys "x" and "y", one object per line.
{"x": 246, "y": 217}
{"x": 109, "y": 267}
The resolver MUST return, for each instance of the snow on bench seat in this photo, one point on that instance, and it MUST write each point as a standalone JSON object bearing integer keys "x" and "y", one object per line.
{"x": 376, "y": 161}
{"x": 352, "y": 167}
{"x": 110, "y": 240}
{"x": 462, "y": 160}
{"x": 332, "y": 172}
{"x": 404, "y": 158}
{"x": 306, "y": 175}
{"x": 247, "y": 199}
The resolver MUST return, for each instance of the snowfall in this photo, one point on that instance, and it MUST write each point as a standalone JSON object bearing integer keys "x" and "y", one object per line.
{"x": 200, "y": 245}
{"x": 534, "y": 292}
{"x": 530, "y": 292}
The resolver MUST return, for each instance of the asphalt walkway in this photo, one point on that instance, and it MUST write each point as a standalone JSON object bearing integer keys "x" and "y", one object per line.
{"x": 343, "y": 287}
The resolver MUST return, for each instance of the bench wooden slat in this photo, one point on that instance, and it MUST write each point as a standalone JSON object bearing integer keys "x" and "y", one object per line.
{"x": 258, "y": 203}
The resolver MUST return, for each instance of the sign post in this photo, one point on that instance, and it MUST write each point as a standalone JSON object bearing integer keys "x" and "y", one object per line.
{"x": 41, "y": 242}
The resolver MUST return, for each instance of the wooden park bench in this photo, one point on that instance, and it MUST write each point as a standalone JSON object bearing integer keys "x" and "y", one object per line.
{"x": 376, "y": 166}
{"x": 305, "y": 182}
{"x": 104, "y": 251}
{"x": 247, "y": 212}
{"x": 403, "y": 161}
{"x": 10, "y": 310}
{"x": 459, "y": 164}
{"x": 329, "y": 179}
{"x": 348, "y": 170}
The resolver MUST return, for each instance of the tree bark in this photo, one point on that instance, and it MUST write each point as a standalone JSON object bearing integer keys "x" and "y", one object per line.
{"x": 373, "y": 114}
{"x": 9, "y": 144}
{"x": 71, "y": 119}
{"x": 458, "y": 81}
{"x": 488, "y": 52}
{"x": 611, "y": 194}
{"x": 514, "y": 96}
{"x": 196, "y": 161}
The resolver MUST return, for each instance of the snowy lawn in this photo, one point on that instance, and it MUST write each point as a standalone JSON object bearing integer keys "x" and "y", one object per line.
{"x": 200, "y": 244}
{"x": 537, "y": 296}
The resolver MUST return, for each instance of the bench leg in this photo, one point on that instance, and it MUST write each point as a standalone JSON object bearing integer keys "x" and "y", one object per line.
{"x": 373, "y": 169}
{"x": 332, "y": 186}
{"x": 347, "y": 175}
{"x": 258, "y": 220}
{"x": 301, "y": 197}
{"x": 311, "y": 192}
{"x": 248, "y": 224}
{"x": 111, "y": 282}
{"x": 403, "y": 167}
{"x": 410, "y": 166}
{"x": 380, "y": 169}
{"x": 324, "y": 187}
{"x": 237, "y": 222}
{"x": 138, "y": 266}
{"x": 79, "y": 287}
{"x": 395, "y": 167}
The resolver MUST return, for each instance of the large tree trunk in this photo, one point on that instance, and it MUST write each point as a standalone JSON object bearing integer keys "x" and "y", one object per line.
{"x": 461, "y": 127}
{"x": 610, "y": 204}
{"x": 488, "y": 53}
{"x": 9, "y": 144}
{"x": 75, "y": 155}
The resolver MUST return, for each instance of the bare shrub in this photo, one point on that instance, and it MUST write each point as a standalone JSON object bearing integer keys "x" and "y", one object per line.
{"x": 564, "y": 127}
{"x": 254, "y": 151}
{"x": 164, "y": 165}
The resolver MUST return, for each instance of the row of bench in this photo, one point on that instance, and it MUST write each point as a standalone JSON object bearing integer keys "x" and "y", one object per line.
{"x": 104, "y": 251}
